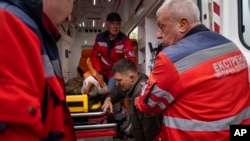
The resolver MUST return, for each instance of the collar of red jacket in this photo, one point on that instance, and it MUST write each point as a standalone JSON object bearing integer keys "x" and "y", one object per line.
{"x": 51, "y": 27}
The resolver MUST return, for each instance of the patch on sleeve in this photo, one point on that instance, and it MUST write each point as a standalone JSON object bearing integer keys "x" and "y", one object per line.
{"x": 131, "y": 53}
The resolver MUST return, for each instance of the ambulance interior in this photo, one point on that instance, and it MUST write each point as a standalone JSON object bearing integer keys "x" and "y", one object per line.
{"x": 75, "y": 45}
{"x": 139, "y": 23}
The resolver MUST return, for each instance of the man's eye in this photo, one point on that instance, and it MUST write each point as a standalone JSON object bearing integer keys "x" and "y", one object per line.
{"x": 160, "y": 26}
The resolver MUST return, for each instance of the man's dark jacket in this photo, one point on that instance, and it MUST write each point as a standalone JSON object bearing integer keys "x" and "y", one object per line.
{"x": 144, "y": 127}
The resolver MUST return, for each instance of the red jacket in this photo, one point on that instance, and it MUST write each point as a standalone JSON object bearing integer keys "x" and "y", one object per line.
{"x": 32, "y": 103}
{"x": 104, "y": 58}
{"x": 201, "y": 85}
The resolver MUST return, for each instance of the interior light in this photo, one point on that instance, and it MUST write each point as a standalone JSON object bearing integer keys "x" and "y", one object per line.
{"x": 83, "y": 24}
{"x": 93, "y": 23}
{"x": 94, "y": 2}
{"x": 103, "y": 24}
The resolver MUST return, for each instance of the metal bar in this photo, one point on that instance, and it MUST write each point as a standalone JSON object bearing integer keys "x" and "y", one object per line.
{"x": 87, "y": 114}
{"x": 97, "y": 126}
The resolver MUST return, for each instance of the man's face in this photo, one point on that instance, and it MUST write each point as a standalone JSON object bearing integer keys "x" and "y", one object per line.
{"x": 58, "y": 10}
{"x": 114, "y": 27}
{"x": 159, "y": 36}
{"x": 65, "y": 7}
{"x": 124, "y": 81}
{"x": 168, "y": 31}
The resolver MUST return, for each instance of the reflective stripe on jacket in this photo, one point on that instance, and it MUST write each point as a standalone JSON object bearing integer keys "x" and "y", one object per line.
{"x": 201, "y": 84}
{"x": 103, "y": 58}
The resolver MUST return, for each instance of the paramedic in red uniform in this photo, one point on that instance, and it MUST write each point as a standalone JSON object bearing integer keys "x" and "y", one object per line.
{"x": 200, "y": 80}
{"x": 32, "y": 100}
{"x": 109, "y": 47}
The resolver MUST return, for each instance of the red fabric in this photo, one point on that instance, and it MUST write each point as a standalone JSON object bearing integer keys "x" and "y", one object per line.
{"x": 114, "y": 56}
{"x": 58, "y": 117}
{"x": 21, "y": 80}
{"x": 51, "y": 27}
{"x": 95, "y": 133}
{"x": 22, "y": 85}
{"x": 197, "y": 95}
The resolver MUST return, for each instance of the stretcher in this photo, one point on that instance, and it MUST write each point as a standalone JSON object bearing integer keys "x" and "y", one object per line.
{"x": 80, "y": 104}
{"x": 89, "y": 120}
{"x": 96, "y": 127}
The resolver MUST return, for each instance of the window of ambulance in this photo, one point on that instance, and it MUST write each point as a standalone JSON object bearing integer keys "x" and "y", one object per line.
{"x": 133, "y": 35}
{"x": 244, "y": 22}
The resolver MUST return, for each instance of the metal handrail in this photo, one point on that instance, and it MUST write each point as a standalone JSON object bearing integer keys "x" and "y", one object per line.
{"x": 96, "y": 126}
{"x": 87, "y": 114}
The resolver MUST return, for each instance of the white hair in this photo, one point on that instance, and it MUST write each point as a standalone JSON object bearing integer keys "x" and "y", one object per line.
{"x": 181, "y": 8}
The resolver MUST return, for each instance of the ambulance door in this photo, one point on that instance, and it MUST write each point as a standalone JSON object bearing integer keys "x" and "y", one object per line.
{"x": 205, "y": 12}
{"x": 244, "y": 28}
{"x": 244, "y": 22}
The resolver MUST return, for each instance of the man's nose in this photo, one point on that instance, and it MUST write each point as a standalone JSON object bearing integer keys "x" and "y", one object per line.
{"x": 159, "y": 35}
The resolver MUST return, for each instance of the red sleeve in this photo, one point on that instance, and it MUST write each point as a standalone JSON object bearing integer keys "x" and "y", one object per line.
{"x": 129, "y": 51}
{"x": 22, "y": 74}
{"x": 161, "y": 88}
{"x": 95, "y": 59}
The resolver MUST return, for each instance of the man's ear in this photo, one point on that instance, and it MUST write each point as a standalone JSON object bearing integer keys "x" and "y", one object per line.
{"x": 132, "y": 77}
{"x": 68, "y": 18}
{"x": 184, "y": 25}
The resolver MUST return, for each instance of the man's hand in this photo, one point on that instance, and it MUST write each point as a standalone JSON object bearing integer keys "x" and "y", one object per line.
{"x": 107, "y": 106}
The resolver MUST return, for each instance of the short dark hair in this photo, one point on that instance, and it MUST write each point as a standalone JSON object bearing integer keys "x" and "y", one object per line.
{"x": 123, "y": 66}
